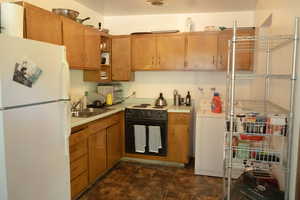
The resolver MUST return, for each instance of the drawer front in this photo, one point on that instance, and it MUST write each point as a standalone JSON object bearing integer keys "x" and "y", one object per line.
{"x": 78, "y": 150}
{"x": 104, "y": 123}
{"x": 79, "y": 136}
{"x": 79, "y": 184}
{"x": 179, "y": 118}
{"x": 79, "y": 166}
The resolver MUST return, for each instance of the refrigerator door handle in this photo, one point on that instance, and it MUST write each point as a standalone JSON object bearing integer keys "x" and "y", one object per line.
{"x": 65, "y": 77}
{"x": 66, "y": 124}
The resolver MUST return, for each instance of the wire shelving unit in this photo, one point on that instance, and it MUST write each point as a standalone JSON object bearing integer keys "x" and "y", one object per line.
{"x": 257, "y": 122}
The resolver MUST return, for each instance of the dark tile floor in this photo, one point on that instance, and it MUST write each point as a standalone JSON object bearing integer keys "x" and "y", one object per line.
{"x": 133, "y": 181}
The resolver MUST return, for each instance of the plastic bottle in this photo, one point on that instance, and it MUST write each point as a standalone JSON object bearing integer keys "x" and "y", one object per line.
{"x": 84, "y": 100}
{"x": 216, "y": 103}
{"x": 109, "y": 99}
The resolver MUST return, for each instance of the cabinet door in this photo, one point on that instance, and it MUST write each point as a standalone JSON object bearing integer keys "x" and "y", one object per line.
{"x": 114, "y": 144}
{"x": 144, "y": 52}
{"x": 121, "y": 58}
{"x": 92, "y": 49}
{"x": 178, "y": 137}
{"x": 171, "y": 49}
{"x": 244, "y": 58}
{"x": 202, "y": 51}
{"x": 73, "y": 39}
{"x": 42, "y": 25}
{"x": 97, "y": 155}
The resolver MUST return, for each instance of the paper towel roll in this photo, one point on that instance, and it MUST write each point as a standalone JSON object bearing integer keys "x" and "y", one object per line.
{"x": 12, "y": 16}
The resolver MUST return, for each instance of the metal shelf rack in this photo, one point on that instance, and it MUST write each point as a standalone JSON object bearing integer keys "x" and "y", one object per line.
{"x": 258, "y": 153}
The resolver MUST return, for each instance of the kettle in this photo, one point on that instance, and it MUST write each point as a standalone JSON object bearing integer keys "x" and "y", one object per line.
{"x": 161, "y": 101}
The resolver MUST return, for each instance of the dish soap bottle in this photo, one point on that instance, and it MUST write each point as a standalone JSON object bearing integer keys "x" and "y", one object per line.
{"x": 216, "y": 103}
{"x": 109, "y": 99}
{"x": 188, "y": 99}
{"x": 84, "y": 100}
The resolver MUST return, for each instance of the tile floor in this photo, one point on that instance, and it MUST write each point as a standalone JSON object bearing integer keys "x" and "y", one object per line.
{"x": 134, "y": 181}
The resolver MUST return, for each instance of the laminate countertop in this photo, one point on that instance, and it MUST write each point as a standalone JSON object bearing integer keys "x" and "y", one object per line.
{"x": 77, "y": 121}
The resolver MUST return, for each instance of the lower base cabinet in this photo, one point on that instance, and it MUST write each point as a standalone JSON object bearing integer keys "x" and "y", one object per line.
{"x": 178, "y": 137}
{"x": 114, "y": 144}
{"x": 79, "y": 184}
{"x": 94, "y": 150}
{"x": 97, "y": 155}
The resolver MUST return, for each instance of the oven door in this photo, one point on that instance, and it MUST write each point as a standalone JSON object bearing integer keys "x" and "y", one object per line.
{"x": 146, "y": 137}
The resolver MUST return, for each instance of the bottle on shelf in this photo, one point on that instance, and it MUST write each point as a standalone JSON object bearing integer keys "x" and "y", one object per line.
{"x": 188, "y": 99}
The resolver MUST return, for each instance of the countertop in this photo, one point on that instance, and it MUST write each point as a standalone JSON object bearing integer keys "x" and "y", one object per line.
{"x": 76, "y": 121}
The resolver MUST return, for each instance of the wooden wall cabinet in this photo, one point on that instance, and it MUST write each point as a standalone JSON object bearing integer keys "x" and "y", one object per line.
{"x": 202, "y": 51}
{"x": 158, "y": 52}
{"x": 104, "y": 73}
{"x": 170, "y": 51}
{"x": 74, "y": 40}
{"x": 244, "y": 59}
{"x": 92, "y": 49}
{"x": 121, "y": 58}
{"x": 178, "y": 137}
{"x": 144, "y": 52}
{"x": 41, "y": 25}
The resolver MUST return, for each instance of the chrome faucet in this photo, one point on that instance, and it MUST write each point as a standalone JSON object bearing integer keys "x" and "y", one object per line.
{"x": 75, "y": 105}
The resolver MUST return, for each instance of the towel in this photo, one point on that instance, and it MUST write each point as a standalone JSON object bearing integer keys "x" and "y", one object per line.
{"x": 140, "y": 138}
{"x": 154, "y": 139}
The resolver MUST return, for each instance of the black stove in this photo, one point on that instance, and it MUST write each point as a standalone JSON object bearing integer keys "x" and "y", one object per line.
{"x": 148, "y": 117}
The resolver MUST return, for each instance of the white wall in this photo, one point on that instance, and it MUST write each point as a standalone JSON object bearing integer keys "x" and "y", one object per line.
{"x": 149, "y": 84}
{"x": 283, "y": 17}
{"x": 78, "y": 86}
{"x": 128, "y": 24}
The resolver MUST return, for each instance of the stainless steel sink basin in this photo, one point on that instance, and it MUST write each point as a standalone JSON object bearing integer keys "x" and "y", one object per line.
{"x": 90, "y": 112}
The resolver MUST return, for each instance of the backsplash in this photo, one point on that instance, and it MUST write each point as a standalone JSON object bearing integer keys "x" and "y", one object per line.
{"x": 150, "y": 84}
{"x": 78, "y": 86}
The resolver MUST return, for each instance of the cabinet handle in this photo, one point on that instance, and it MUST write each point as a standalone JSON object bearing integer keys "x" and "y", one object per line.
{"x": 152, "y": 61}
{"x": 159, "y": 61}
{"x": 213, "y": 59}
{"x": 221, "y": 59}
{"x": 185, "y": 63}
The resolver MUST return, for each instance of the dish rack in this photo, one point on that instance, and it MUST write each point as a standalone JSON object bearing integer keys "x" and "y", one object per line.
{"x": 253, "y": 126}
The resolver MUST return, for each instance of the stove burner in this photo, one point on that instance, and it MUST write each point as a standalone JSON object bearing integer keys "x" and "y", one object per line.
{"x": 142, "y": 106}
{"x": 158, "y": 107}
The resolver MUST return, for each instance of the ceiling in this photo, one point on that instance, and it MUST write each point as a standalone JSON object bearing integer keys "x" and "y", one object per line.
{"x": 141, "y": 7}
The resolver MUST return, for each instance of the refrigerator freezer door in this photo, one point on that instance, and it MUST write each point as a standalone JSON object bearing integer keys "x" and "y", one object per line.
{"x": 49, "y": 58}
{"x": 36, "y": 156}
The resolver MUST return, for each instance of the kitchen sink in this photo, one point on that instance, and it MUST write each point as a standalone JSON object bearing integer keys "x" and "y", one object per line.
{"x": 90, "y": 112}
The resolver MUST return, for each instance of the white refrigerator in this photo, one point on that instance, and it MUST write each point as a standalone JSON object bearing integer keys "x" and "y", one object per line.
{"x": 34, "y": 121}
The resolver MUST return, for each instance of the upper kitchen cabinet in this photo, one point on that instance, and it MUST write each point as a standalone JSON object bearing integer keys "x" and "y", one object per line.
{"x": 121, "y": 58}
{"x": 244, "y": 58}
{"x": 170, "y": 51}
{"x": 144, "y": 52}
{"x": 73, "y": 39}
{"x": 103, "y": 74}
{"x": 202, "y": 51}
{"x": 92, "y": 48}
{"x": 41, "y": 24}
